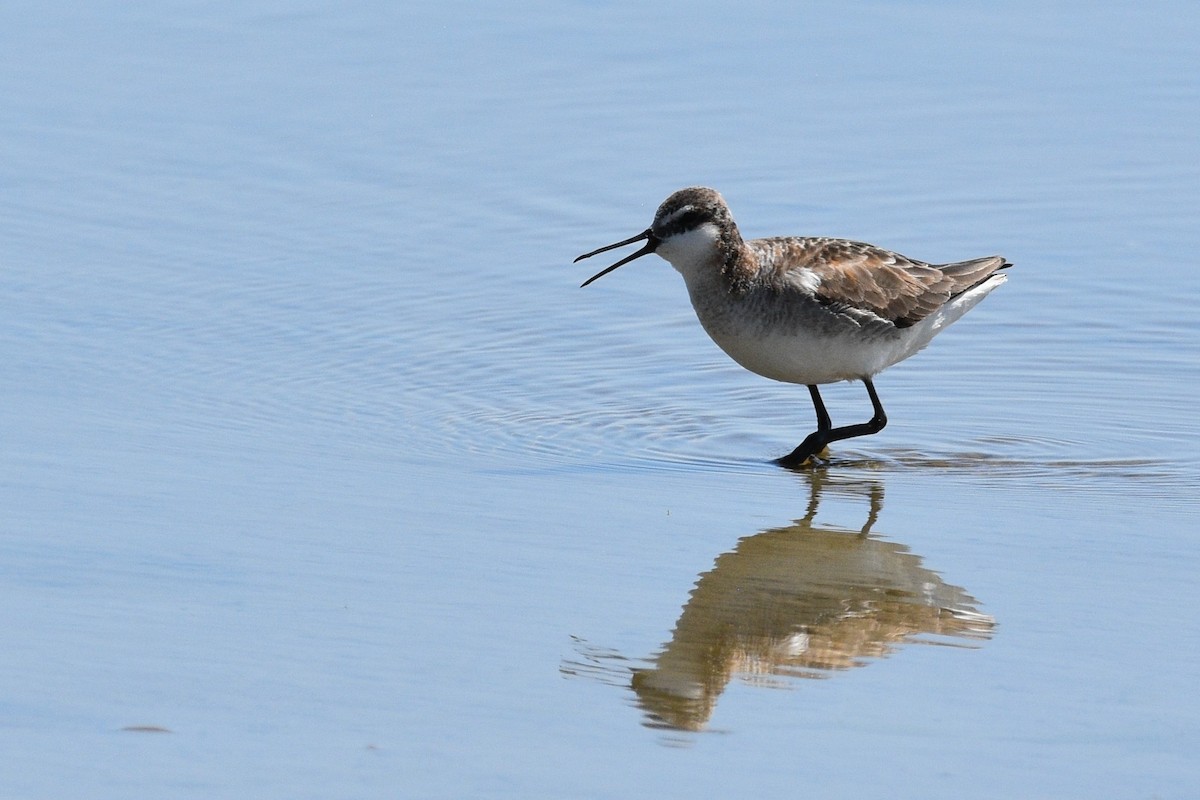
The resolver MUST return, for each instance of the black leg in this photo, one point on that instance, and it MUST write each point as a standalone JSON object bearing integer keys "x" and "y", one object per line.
{"x": 824, "y": 425}
{"x": 816, "y": 441}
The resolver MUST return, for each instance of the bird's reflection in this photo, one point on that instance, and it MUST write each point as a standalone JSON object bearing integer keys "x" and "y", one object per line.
{"x": 802, "y": 601}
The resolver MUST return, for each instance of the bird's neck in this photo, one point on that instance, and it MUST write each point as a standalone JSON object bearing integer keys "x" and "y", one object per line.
{"x": 739, "y": 264}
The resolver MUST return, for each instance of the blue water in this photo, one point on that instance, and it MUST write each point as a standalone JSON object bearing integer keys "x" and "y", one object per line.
{"x": 321, "y": 477}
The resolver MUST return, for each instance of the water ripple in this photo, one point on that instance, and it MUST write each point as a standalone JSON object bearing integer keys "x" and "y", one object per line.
{"x": 519, "y": 370}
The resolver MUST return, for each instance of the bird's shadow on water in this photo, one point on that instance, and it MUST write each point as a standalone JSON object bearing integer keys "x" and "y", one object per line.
{"x": 801, "y": 601}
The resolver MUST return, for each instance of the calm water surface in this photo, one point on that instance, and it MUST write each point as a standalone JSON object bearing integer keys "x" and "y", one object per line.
{"x": 321, "y": 476}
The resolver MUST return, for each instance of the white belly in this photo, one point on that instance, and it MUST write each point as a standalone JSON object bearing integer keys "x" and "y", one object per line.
{"x": 810, "y": 359}
{"x": 808, "y": 343}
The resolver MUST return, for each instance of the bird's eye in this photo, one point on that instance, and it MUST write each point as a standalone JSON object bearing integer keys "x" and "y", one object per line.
{"x": 686, "y": 221}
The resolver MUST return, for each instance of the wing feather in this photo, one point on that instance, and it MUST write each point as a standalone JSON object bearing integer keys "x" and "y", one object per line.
{"x": 847, "y": 274}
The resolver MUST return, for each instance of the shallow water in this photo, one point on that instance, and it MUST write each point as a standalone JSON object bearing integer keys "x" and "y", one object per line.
{"x": 322, "y": 477}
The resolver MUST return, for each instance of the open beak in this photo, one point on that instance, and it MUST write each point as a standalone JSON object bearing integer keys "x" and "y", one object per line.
{"x": 651, "y": 244}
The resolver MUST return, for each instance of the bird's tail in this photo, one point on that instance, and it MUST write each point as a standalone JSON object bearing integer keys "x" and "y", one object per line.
{"x": 969, "y": 274}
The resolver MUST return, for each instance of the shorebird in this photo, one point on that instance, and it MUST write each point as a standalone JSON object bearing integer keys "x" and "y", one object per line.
{"x": 807, "y": 310}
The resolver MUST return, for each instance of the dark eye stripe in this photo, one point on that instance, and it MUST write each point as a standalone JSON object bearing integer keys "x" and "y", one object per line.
{"x": 685, "y": 222}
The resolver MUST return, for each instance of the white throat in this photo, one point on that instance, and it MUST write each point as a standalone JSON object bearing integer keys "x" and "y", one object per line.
{"x": 692, "y": 252}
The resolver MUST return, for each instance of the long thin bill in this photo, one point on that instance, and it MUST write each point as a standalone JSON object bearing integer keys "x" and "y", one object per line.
{"x": 643, "y": 235}
{"x": 649, "y": 247}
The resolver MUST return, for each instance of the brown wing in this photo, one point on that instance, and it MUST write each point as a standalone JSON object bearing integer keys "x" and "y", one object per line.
{"x": 856, "y": 275}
